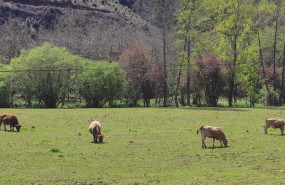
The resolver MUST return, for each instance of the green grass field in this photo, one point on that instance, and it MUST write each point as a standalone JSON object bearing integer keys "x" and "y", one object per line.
{"x": 142, "y": 146}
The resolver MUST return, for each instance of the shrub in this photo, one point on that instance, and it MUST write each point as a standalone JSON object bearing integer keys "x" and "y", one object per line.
{"x": 103, "y": 83}
{"x": 45, "y": 74}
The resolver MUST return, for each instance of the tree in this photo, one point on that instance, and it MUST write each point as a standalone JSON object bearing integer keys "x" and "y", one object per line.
{"x": 46, "y": 73}
{"x": 209, "y": 69}
{"x": 5, "y": 90}
{"x": 13, "y": 38}
{"x": 186, "y": 29}
{"x": 102, "y": 84}
{"x": 138, "y": 69}
{"x": 269, "y": 25}
{"x": 165, "y": 15}
{"x": 234, "y": 21}
{"x": 193, "y": 23}
{"x": 248, "y": 72}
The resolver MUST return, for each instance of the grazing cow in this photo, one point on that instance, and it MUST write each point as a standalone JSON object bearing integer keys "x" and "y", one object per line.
{"x": 95, "y": 130}
{"x": 9, "y": 119}
{"x": 212, "y": 132}
{"x": 274, "y": 123}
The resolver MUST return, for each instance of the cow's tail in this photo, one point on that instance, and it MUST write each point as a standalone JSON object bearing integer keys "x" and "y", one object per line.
{"x": 200, "y": 129}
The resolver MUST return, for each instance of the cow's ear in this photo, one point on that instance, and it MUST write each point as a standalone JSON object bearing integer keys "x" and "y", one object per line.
{"x": 228, "y": 138}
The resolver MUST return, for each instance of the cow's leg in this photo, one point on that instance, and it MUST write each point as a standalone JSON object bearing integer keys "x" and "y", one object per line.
{"x": 221, "y": 143}
{"x": 95, "y": 138}
{"x": 0, "y": 124}
{"x": 203, "y": 139}
{"x": 203, "y": 144}
{"x": 5, "y": 127}
{"x": 265, "y": 129}
{"x": 282, "y": 130}
{"x": 213, "y": 142}
{"x": 11, "y": 128}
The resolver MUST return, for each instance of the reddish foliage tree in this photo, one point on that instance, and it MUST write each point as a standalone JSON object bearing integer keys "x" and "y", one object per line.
{"x": 209, "y": 75}
{"x": 269, "y": 74}
{"x": 157, "y": 77}
{"x": 139, "y": 74}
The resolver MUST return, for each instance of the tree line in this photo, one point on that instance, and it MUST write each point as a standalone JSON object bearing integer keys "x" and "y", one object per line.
{"x": 208, "y": 49}
{"x": 233, "y": 49}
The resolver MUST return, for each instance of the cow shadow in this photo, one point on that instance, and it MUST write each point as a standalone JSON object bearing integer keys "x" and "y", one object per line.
{"x": 276, "y": 135}
{"x": 97, "y": 142}
{"x": 9, "y": 131}
{"x": 216, "y": 147}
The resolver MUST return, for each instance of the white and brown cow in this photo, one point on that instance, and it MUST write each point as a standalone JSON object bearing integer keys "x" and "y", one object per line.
{"x": 212, "y": 132}
{"x": 95, "y": 130}
{"x": 274, "y": 123}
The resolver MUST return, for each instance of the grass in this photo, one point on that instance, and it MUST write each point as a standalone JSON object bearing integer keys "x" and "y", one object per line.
{"x": 142, "y": 146}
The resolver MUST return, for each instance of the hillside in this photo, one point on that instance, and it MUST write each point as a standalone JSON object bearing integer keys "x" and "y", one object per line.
{"x": 96, "y": 29}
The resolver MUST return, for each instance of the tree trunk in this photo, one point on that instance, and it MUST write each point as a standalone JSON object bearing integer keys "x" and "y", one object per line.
{"x": 179, "y": 77}
{"x": 232, "y": 77}
{"x": 261, "y": 63}
{"x": 274, "y": 52}
{"x": 188, "y": 73}
{"x": 164, "y": 69}
{"x": 281, "y": 98}
{"x": 177, "y": 86}
{"x": 275, "y": 49}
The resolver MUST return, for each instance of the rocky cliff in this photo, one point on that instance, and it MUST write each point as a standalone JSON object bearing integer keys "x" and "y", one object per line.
{"x": 96, "y": 29}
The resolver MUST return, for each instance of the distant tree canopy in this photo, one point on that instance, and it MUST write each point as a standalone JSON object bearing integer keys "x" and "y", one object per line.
{"x": 209, "y": 73}
{"x": 50, "y": 74}
{"x": 5, "y": 91}
{"x": 46, "y": 73}
{"x": 102, "y": 83}
{"x": 139, "y": 74}
{"x": 185, "y": 50}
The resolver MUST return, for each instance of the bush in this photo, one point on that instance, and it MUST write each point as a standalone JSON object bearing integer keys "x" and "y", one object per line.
{"x": 5, "y": 91}
{"x": 103, "y": 83}
{"x": 45, "y": 74}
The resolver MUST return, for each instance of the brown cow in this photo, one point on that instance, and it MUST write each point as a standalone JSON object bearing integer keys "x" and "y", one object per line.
{"x": 9, "y": 119}
{"x": 95, "y": 130}
{"x": 212, "y": 132}
{"x": 274, "y": 123}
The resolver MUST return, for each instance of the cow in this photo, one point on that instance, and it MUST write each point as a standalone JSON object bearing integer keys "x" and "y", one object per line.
{"x": 212, "y": 132}
{"x": 95, "y": 130}
{"x": 274, "y": 123}
{"x": 9, "y": 119}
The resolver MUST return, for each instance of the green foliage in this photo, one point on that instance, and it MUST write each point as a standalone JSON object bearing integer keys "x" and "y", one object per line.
{"x": 5, "y": 91}
{"x": 103, "y": 83}
{"x": 55, "y": 150}
{"x": 46, "y": 73}
{"x": 248, "y": 73}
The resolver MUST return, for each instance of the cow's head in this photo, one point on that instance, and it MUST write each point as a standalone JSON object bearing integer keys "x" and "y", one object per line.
{"x": 225, "y": 141}
{"x": 18, "y": 127}
{"x": 100, "y": 137}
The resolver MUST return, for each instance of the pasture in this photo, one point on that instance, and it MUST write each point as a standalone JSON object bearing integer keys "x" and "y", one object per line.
{"x": 142, "y": 146}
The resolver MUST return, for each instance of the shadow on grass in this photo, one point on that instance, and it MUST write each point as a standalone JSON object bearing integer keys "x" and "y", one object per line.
{"x": 97, "y": 142}
{"x": 10, "y": 131}
{"x": 219, "y": 109}
{"x": 216, "y": 147}
{"x": 238, "y": 109}
{"x": 276, "y": 135}
{"x": 271, "y": 107}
